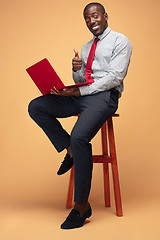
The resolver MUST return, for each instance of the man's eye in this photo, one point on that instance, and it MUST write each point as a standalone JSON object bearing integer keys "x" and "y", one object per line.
{"x": 87, "y": 20}
{"x": 95, "y": 16}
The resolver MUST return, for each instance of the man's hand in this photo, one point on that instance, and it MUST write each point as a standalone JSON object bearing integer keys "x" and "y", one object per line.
{"x": 72, "y": 91}
{"x": 76, "y": 61}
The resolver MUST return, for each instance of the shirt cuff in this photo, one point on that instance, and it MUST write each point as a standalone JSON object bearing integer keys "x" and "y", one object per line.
{"x": 75, "y": 76}
{"x": 84, "y": 90}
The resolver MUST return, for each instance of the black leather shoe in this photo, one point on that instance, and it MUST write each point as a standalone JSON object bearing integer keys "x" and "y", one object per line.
{"x": 66, "y": 165}
{"x": 74, "y": 220}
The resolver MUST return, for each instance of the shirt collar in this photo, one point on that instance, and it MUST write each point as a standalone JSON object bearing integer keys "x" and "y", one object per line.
{"x": 104, "y": 34}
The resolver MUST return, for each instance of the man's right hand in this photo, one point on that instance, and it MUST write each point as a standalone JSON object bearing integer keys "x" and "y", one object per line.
{"x": 76, "y": 61}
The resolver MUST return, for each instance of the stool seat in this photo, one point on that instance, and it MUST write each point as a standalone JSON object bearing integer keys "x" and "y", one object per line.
{"x": 108, "y": 156}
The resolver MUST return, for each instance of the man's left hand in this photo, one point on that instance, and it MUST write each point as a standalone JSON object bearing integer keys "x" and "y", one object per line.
{"x": 72, "y": 91}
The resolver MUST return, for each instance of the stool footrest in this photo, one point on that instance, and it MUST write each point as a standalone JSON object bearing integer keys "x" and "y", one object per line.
{"x": 102, "y": 159}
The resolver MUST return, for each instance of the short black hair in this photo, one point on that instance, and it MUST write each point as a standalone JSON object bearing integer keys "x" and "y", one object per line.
{"x": 100, "y": 6}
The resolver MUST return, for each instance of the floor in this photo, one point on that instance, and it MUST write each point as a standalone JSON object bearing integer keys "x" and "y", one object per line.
{"x": 42, "y": 222}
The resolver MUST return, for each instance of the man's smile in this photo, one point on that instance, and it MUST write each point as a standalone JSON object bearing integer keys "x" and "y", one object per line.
{"x": 94, "y": 28}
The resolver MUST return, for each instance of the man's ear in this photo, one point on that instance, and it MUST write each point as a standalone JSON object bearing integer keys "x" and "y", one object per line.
{"x": 106, "y": 16}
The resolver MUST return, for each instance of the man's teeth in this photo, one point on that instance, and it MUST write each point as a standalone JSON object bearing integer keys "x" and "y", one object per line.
{"x": 95, "y": 28}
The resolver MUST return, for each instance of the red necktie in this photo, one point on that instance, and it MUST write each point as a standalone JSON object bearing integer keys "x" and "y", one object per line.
{"x": 88, "y": 70}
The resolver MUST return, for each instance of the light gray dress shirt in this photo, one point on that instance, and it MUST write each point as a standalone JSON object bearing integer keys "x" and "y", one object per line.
{"x": 110, "y": 64}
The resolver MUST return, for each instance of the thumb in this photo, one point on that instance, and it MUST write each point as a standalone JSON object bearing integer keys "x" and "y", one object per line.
{"x": 76, "y": 53}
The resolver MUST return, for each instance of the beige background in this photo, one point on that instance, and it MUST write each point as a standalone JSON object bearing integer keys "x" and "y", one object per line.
{"x": 32, "y": 196}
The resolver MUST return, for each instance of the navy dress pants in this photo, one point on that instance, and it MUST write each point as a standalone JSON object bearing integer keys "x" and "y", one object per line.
{"x": 94, "y": 111}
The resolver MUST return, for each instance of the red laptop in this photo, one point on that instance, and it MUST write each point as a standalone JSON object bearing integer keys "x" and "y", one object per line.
{"x": 45, "y": 77}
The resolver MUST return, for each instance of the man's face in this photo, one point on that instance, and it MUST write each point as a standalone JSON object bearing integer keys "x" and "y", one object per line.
{"x": 96, "y": 21}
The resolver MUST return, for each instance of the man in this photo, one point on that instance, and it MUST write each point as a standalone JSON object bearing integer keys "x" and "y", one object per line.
{"x": 95, "y": 103}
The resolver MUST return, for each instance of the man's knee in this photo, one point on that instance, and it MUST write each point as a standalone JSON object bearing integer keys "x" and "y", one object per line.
{"x": 32, "y": 108}
{"x": 77, "y": 137}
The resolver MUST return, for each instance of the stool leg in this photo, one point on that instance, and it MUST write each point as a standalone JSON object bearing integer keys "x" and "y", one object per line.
{"x": 117, "y": 193}
{"x": 70, "y": 189}
{"x": 114, "y": 165}
{"x": 106, "y": 185}
{"x": 105, "y": 166}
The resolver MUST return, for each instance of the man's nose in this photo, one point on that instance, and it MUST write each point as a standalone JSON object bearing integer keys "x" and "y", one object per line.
{"x": 93, "y": 20}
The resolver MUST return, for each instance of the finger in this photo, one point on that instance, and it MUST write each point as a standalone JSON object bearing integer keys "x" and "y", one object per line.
{"x": 77, "y": 64}
{"x": 53, "y": 92}
{"x": 76, "y": 53}
{"x": 76, "y": 60}
{"x": 55, "y": 89}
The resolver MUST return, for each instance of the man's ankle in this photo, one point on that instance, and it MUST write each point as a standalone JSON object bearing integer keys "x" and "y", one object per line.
{"x": 69, "y": 151}
{"x": 81, "y": 207}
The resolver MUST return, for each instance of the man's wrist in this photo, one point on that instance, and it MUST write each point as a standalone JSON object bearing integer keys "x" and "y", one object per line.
{"x": 74, "y": 70}
{"x": 78, "y": 92}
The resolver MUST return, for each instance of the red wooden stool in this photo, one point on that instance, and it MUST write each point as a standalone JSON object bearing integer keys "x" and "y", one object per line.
{"x": 108, "y": 156}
